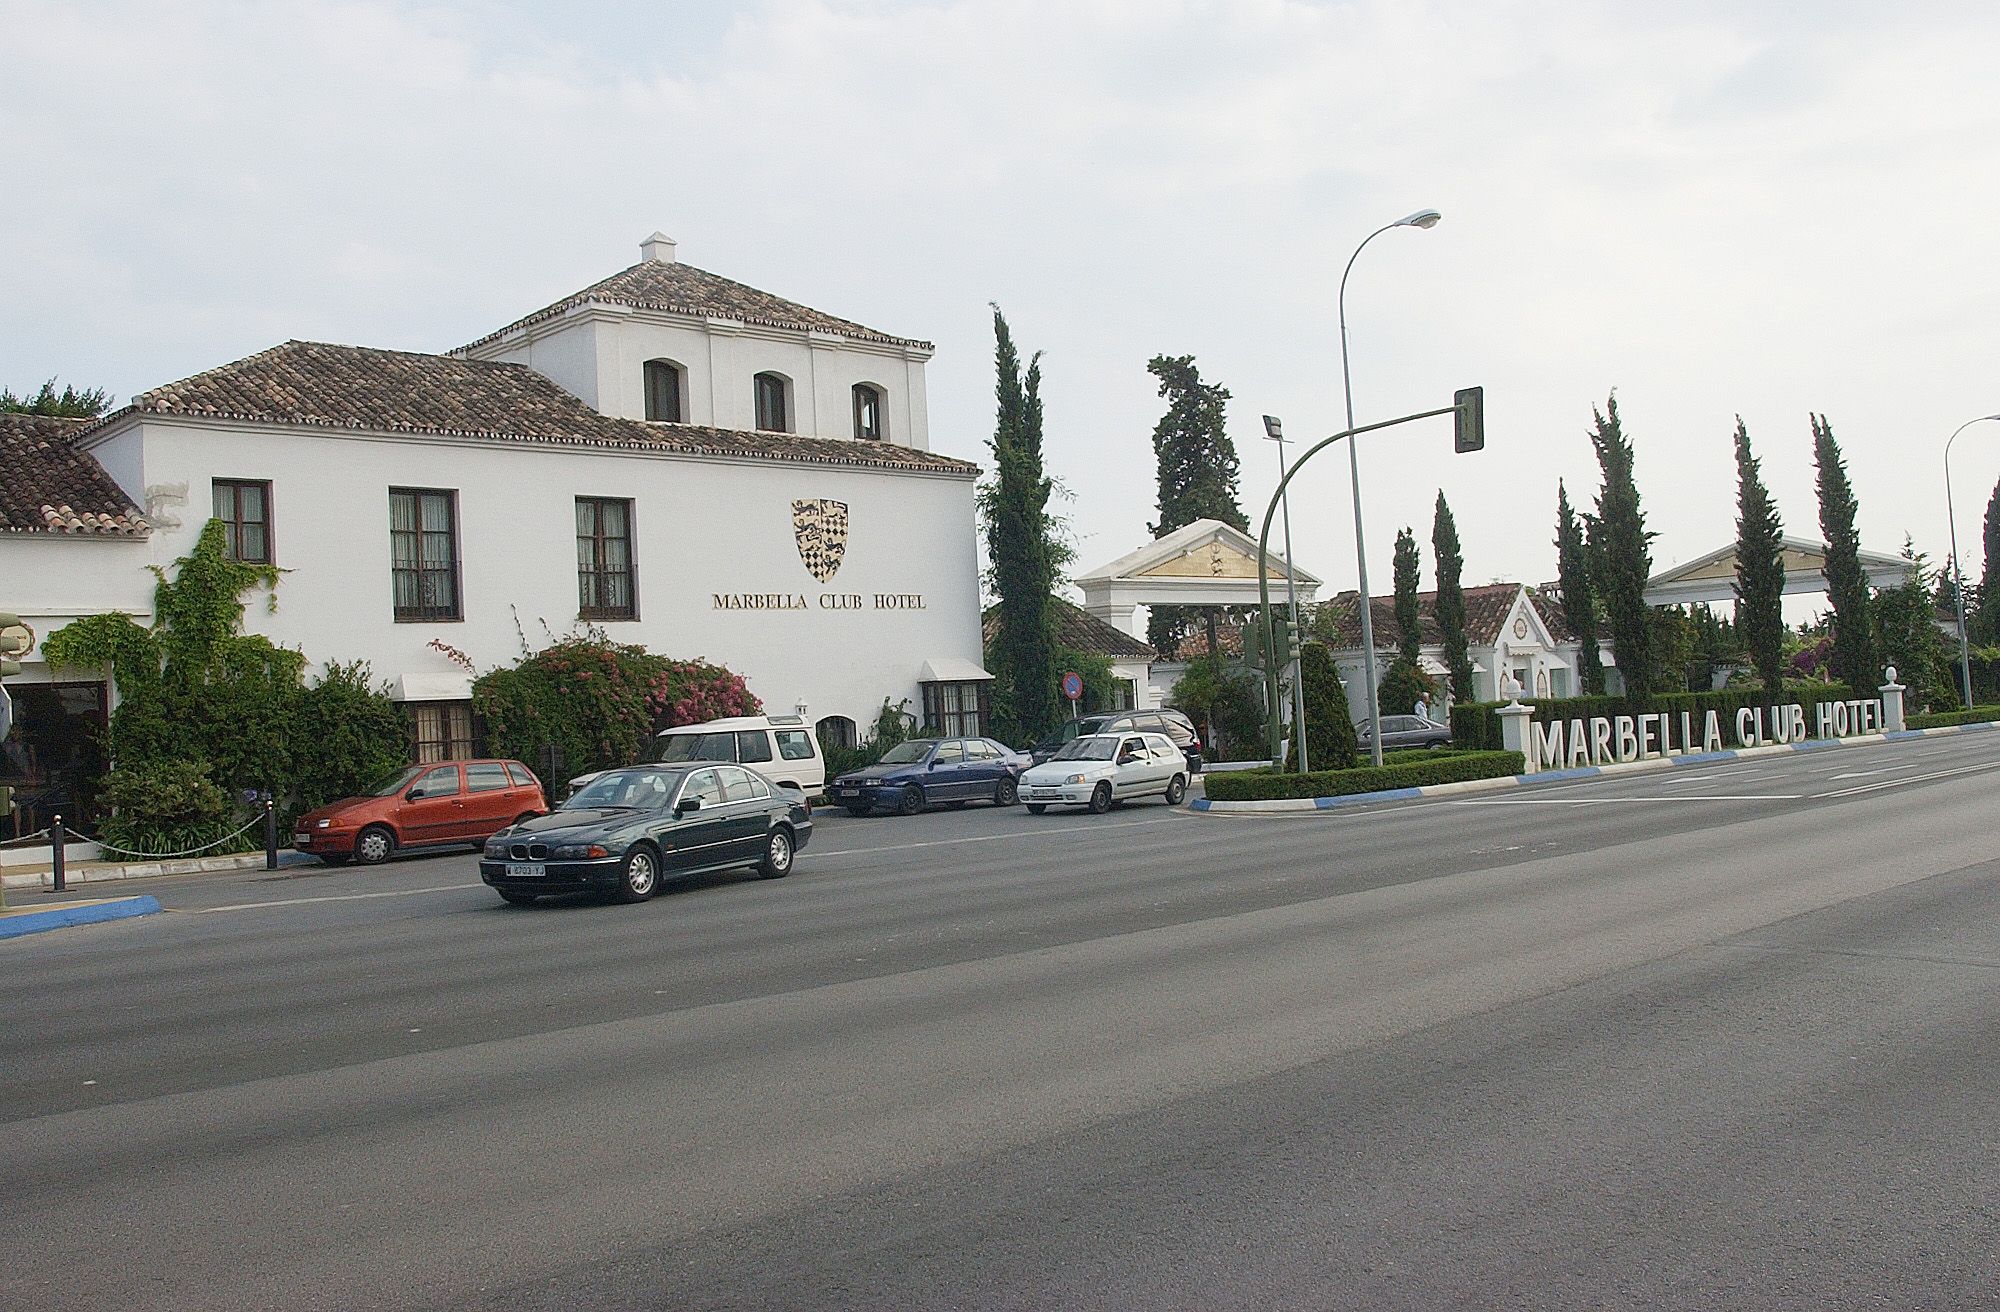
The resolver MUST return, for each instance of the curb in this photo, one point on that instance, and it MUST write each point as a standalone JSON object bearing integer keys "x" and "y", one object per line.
{"x": 17, "y": 923}
{"x": 1297, "y": 804}
{"x": 43, "y": 880}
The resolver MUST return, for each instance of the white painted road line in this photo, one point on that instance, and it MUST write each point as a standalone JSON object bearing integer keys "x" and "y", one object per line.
{"x": 989, "y": 838}
{"x": 1613, "y": 801}
{"x": 332, "y": 897}
{"x": 1912, "y": 779}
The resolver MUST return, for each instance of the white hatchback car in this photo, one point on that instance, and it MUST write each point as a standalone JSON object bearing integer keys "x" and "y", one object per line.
{"x": 1100, "y": 769}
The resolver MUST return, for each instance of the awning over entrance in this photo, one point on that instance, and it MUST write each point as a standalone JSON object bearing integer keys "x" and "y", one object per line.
{"x": 431, "y": 688}
{"x": 951, "y": 669}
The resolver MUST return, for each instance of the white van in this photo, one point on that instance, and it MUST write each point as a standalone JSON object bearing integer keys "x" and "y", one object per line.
{"x": 782, "y": 748}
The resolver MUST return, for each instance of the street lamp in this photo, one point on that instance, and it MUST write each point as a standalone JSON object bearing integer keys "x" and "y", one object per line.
{"x": 1274, "y": 430}
{"x": 1421, "y": 219}
{"x": 1958, "y": 569}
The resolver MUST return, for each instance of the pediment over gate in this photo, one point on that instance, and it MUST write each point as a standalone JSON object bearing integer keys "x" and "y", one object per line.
{"x": 1207, "y": 563}
{"x": 1712, "y": 577}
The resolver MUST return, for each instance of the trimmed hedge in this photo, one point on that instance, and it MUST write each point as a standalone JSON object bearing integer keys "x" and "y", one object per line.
{"x": 1977, "y": 715}
{"x": 1267, "y": 786}
{"x": 1475, "y": 725}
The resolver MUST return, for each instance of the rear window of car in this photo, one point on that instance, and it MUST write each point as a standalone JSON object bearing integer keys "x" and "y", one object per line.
{"x": 736, "y": 785}
{"x": 485, "y": 777}
{"x": 697, "y": 747}
{"x": 753, "y": 745}
{"x": 951, "y": 751}
{"x": 794, "y": 745}
{"x": 520, "y": 775}
{"x": 978, "y": 749}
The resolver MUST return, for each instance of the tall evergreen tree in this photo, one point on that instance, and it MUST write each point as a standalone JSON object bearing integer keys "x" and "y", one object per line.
{"x": 1579, "y": 603}
{"x": 1019, "y": 545}
{"x": 1451, "y": 599}
{"x": 1198, "y": 470}
{"x": 1409, "y": 638}
{"x": 66, "y": 404}
{"x": 1853, "y": 655}
{"x": 1760, "y": 567}
{"x": 1984, "y": 627}
{"x": 1622, "y": 556}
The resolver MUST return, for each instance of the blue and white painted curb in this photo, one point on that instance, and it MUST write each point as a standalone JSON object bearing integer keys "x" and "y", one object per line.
{"x": 1582, "y": 772}
{"x": 17, "y": 923}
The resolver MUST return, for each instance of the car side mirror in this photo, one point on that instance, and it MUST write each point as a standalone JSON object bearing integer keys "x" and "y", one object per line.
{"x": 416, "y": 794}
{"x": 688, "y": 804}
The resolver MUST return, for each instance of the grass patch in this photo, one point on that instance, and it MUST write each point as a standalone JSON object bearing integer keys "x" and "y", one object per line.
{"x": 1267, "y": 785}
{"x": 1977, "y": 715}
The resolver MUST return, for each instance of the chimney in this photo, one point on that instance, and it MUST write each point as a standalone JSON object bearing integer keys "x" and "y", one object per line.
{"x": 657, "y": 249}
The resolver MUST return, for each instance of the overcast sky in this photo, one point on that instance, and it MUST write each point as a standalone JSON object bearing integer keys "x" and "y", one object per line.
{"x": 1766, "y": 209}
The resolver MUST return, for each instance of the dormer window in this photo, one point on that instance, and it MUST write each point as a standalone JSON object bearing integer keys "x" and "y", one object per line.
{"x": 773, "y": 415}
{"x": 868, "y": 412}
{"x": 663, "y": 392}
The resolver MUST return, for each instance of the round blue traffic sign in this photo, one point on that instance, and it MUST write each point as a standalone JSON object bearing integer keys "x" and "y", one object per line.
{"x": 1072, "y": 686}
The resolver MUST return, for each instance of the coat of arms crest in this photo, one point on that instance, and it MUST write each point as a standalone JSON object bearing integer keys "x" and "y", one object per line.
{"x": 820, "y": 527}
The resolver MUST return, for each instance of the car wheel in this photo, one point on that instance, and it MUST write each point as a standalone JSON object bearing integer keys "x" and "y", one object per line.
{"x": 777, "y": 861}
{"x": 1100, "y": 799}
{"x": 640, "y": 874}
{"x": 857, "y": 811}
{"x": 509, "y": 896}
{"x": 911, "y": 802}
{"x": 374, "y": 845}
{"x": 1036, "y": 808}
{"x": 1006, "y": 793}
{"x": 1176, "y": 790}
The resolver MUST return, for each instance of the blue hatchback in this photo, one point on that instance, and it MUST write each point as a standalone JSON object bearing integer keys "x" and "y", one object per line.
{"x": 914, "y": 775}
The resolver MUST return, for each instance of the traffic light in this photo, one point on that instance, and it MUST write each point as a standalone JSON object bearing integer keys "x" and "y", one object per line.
{"x": 1468, "y": 422}
{"x": 1282, "y": 635}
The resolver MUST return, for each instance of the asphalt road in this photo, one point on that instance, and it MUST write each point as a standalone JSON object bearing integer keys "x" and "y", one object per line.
{"x": 1710, "y": 1037}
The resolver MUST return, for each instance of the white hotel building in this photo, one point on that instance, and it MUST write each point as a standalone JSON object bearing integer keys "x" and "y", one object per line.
{"x": 683, "y": 461}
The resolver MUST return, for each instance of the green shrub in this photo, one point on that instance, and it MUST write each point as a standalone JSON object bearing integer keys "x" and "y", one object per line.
{"x": 1223, "y": 699}
{"x": 1268, "y": 785}
{"x": 1474, "y": 724}
{"x": 1977, "y": 715}
{"x": 164, "y": 807}
{"x": 346, "y": 736}
{"x": 1402, "y": 686}
{"x": 893, "y": 724}
{"x": 1329, "y": 730}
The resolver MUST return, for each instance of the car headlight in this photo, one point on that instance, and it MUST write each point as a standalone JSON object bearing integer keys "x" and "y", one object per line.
{"x": 494, "y": 847}
{"x": 579, "y": 851}
{"x": 1073, "y": 779}
{"x": 322, "y": 824}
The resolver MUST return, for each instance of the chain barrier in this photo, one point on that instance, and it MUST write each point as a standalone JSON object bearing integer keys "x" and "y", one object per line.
{"x": 26, "y": 838}
{"x": 166, "y": 856}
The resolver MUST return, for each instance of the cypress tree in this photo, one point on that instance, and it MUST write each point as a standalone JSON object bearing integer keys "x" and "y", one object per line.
{"x": 1019, "y": 546}
{"x": 1451, "y": 600}
{"x": 1760, "y": 568}
{"x": 1853, "y": 654}
{"x": 1198, "y": 470}
{"x": 1984, "y": 626}
{"x": 1622, "y": 557}
{"x": 1329, "y": 727}
{"x": 1409, "y": 643}
{"x": 1578, "y": 602}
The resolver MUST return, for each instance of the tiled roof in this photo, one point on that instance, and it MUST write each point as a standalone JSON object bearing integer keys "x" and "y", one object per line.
{"x": 1079, "y": 630}
{"x": 1194, "y": 646}
{"x": 1547, "y": 600}
{"x": 48, "y": 486}
{"x": 354, "y": 387}
{"x": 683, "y": 289}
{"x": 1486, "y": 608}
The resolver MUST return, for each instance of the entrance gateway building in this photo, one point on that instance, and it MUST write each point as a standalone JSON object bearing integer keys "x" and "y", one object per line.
{"x": 676, "y": 458}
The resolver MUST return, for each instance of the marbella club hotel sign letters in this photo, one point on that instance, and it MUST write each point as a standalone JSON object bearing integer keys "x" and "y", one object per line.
{"x": 1608, "y": 740}
{"x": 819, "y": 527}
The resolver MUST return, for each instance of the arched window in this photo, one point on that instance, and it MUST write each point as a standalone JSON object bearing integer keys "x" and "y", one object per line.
{"x": 868, "y": 412}
{"x": 837, "y": 731}
{"x": 773, "y": 415}
{"x": 663, "y": 392}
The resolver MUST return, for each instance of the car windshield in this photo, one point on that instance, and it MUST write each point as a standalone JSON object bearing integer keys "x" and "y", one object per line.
{"x": 396, "y": 782}
{"x": 909, "y": 753}
{"x": 694, "y": 747}
{"x": 632, "y": 790}
{"x": 1089, "y": 749}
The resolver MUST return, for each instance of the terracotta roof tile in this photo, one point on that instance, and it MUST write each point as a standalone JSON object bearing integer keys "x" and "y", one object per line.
{"x": 353, "y": 387}
{"x": 1486, "y": 608}
{"x": 684, "y": 289}
{"x": 1079, "y": 630}
{"x": 48, "y": 486}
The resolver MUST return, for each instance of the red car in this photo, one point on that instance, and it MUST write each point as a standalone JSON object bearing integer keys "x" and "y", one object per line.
{"x": 424, "y": 806}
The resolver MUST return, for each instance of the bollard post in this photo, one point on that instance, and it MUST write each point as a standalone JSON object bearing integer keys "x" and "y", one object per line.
{"x": 270, "y": 833}
{"x": 56, "y": 840}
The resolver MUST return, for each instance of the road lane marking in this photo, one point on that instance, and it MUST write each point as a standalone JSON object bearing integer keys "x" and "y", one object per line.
{"x": 1613, "y": 801}
{"x": 987, "y": 838}
{"x": 1911, "y": 779}
{"x": 332, "y": 897}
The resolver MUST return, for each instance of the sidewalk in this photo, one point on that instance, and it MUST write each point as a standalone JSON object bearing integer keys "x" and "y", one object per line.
{"x": 41, "y": 877}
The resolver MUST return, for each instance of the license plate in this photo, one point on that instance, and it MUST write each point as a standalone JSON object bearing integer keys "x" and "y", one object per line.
{"x": 300, "y": 840}
{"x": 847, "y": 792}
{"x": 527, "y": 870}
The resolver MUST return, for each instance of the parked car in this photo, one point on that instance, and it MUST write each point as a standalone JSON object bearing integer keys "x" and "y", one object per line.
{"x": 628, "y": 829}
{"x": 1173, "y": 724}
{"x": 1100, "y": 770}
{"x": 423, "y": 806}
{"x": 782, "y": 748}
{"x": 914, "y": 774}
{"x": 1399, "y": 731}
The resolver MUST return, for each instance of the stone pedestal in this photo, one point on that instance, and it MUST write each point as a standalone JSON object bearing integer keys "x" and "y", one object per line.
{"x": 1514, "y": 717}
{"x": 1892, "y": 703}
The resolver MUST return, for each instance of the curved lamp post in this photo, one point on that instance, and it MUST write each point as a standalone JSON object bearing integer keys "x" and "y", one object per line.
{"x": 1957, "y": 568}
{"x": 1421, "y": 219}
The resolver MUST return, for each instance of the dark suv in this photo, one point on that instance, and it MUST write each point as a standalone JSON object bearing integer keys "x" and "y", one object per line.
{"x": 1171, "y": 723}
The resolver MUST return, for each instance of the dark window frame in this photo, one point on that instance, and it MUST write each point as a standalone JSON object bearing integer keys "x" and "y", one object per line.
{"x": 449, "y": 744}
{"x": 454, "y": 613}
{"x": 593, "y": 581}
{"x": 232, "y": 524}
{"x": 873, "y": 398}
{"x": 655, "y": 407}
{"x": 963, "y": 721}
{"x": 778, "y": 389}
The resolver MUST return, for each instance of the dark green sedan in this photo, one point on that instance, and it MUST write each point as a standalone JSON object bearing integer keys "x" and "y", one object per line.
{"x": 629, "y": 829}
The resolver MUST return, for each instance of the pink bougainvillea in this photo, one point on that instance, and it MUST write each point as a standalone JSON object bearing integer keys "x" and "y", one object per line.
{"x": 691, "y": 692}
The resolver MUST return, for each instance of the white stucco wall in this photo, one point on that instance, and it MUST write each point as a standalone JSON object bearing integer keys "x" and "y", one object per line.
{"x": 703, "y": 526}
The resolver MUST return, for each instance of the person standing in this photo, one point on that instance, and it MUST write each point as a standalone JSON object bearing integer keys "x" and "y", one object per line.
{"x": 1423, "y": 706}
